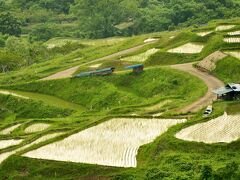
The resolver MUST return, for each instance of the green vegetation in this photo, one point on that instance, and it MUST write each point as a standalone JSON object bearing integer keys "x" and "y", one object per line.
{"x": 166, "y": 157}
{"x": 165, "y": 58}
{"x": 24, "y": 108}
{"x": 9, "y": 25}
{"x": 231, "y": 74}
{"x": 233, "y": 108}
{"x": 98, "y": 93}
{"x": 42, "y": 37}
{"x": 47, "y": 61}
{"x": 83, "y": 18}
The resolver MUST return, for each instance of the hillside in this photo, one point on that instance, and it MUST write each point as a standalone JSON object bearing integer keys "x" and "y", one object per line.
{"x": 126, "y": 125}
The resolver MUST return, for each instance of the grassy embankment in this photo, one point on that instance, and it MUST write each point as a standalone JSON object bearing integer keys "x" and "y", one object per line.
{"x": 27, "y": 108}
{"x": 123, "y": 90}
{"x": 228, "y": 70}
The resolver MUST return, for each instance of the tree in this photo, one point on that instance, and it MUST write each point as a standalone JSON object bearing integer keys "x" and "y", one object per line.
{"x": 60, "y": 6}
{"x": 97, "y": 18}
{"x": 9, "y": 25}
{"x": 2, "y": 5}
{"x": 42, "y": 33}
{"x": 31, "y": 53}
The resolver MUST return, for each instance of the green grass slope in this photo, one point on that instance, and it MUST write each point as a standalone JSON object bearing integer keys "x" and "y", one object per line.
{"x": 124, "y": 89}
{"x": 228, "y": 70}
{"x": 26, "y": 108}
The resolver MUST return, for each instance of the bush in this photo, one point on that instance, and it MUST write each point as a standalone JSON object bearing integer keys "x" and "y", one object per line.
{"x": 206, "y": 172}
{"x": 42, "y": 33}
{"x": 2, "y": 42}
{"x": 9, "y": 61}
{"x": 66, "y": 48}
{"x": 228, "y": 172}
{"x": 155, "y": 174}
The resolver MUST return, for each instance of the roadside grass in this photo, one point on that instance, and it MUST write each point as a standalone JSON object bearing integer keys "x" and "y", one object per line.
{"x": 230, "y": 107}
{"x": 227, "y": 70}
{"x": 233, "y": 108}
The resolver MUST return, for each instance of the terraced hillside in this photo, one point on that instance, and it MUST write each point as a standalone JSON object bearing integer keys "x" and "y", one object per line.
{"x": 125, "y": 126}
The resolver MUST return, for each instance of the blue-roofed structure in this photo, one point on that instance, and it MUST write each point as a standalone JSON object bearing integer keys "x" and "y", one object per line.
{"x": 100, "y": 72}
{"x": 230, "y": 92}
{"x": 136, "y": 68}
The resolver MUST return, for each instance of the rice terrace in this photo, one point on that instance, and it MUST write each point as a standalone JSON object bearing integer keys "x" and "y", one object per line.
{"x": 120, "y": 90}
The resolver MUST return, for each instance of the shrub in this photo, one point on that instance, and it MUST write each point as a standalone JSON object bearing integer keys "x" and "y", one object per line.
{"x": 2, "y": 42}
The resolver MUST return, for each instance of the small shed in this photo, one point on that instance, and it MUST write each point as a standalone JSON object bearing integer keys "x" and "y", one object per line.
{"x": 104, "y": 72}
{"x": 100, "y": 72}
{"x": 83, "y": 74}
{"x": 229, "y": 92}
{"x": 138, "y": 68}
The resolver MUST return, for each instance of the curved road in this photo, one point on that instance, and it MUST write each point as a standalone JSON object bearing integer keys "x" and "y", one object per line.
{"x": 69, "y": 72}
{"x": 211, "y": 82}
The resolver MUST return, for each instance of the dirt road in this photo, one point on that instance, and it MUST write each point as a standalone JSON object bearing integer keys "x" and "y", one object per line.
{"x": 69, "y": 72}
{"x": 211, "y": 82}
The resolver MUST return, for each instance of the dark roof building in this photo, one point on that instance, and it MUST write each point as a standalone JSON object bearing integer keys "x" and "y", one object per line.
{"x": 100, "y": 72}
{"x": 136, "y": 68}
{"x": 230, "y": 92}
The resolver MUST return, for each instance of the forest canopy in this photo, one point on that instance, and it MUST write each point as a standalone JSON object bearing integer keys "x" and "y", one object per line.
{"x": 105, "y": 18}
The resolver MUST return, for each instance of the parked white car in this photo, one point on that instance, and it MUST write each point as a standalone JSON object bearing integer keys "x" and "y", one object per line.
{"x": 208, "y": 111}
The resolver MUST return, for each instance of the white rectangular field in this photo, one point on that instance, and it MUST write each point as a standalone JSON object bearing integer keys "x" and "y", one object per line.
{"x": 224, "y": 129}
{"x": 232, "y": 40}
{"x": 189, "y": 48}
{"x": 44, "y": 138}
{"x": 8, "y": 143}
{"x": 112, "y": 143}
{"x": 9, "y": 129}
{"x": 224, "y": 27}
{"x": 141, "y": 57}
{"x": 234, "y": 33}
{"x": 36, "y": 127}
{"x": 202, "y": 34}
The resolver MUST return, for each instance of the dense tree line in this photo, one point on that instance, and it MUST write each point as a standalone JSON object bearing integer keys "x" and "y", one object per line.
{"x": 99, "y": 18}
